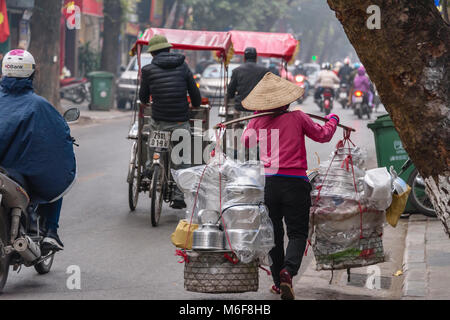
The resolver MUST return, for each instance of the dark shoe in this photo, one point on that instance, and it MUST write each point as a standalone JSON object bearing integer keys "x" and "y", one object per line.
{"x": 178, "y": 204}
{"x": 51, "y": 242}
{"x": 287, "y": 292}
{"x": 275, "y": 289}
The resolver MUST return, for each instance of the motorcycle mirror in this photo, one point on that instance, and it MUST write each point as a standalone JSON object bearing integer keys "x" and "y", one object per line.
{"x": 72, "y": 115}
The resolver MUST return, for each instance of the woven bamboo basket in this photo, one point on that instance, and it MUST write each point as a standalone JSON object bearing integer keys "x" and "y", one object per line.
{"x": 211, "y": 272}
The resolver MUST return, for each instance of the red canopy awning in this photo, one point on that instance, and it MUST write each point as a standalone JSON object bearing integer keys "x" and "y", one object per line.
{"x": 189, "y": 39}
{"x": 272, "y": 45}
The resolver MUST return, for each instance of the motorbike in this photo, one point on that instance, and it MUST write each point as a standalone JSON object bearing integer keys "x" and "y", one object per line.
{"x": 21, "y": 230}
{"x": 360, "y": 104}
{"x": 326, "y": 100}
{"x": 302, "y": 82}
{"x": 75, "y": 90}
{"x": 342, "y": 94}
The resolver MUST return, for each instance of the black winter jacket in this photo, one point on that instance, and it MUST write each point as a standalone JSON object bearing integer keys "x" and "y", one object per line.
{"x": 243, "y": 80}
{"x": 168, "y": 80}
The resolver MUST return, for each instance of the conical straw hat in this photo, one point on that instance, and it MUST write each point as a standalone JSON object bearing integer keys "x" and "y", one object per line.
{"x": 272, "y": 92}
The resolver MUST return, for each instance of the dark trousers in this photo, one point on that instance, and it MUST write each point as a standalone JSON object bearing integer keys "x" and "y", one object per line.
{"x": 51, "y": 213}
{"x": 289, "y": 199}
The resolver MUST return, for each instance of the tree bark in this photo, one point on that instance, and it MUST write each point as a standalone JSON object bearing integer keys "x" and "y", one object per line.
{"x": 112, "y": 11}
{"x": 409, "y": 61}
{"x": 44, "y": 46}
{"x": 444, "y": 4}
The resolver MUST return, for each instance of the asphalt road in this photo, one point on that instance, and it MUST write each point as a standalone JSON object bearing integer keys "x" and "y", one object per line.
{"x": 120, "y": 256}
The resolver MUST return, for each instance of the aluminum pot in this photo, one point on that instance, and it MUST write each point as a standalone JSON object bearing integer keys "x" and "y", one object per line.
{"x": 208, "y": 237}
{"x": 238, "y": 193}
{"x": 242, "y": 216}
{"x": 240, "y": 239}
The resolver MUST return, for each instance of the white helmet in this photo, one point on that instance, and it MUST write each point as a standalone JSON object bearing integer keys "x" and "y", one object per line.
{"x": 18, "y": 64}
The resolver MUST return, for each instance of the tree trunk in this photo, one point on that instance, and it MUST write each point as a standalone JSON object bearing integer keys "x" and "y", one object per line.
{"x": 44, "y": 46}
{"x": 445, "y": 10}
{"x": 112, "y": 11}
{"x": 409, "y": 61}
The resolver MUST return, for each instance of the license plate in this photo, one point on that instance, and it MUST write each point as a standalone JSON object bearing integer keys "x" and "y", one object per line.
{"x": 358, "y": 99}
{"x": 343, "y": 95}
{"x": 159, "y": 139}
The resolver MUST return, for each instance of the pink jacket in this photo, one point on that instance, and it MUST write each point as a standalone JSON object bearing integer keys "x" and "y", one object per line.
{"x": 282, "y": 141}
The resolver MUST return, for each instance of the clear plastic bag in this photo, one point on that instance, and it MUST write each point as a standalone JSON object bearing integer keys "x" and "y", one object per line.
{"x": 378, "y": 188}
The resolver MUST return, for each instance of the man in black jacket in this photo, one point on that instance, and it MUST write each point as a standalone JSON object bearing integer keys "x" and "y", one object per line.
{"x": 167, "y": 80}
{"x": 245, "y": 78}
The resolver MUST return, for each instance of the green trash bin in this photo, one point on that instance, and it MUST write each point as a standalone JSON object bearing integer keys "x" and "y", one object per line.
{"x": 101, "y": 90}
{"x": 389, "y": 148}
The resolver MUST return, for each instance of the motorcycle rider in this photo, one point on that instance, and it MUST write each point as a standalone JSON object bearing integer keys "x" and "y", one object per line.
{"x": 345, "y": 72}
{"x": 245, "y": 78}
{"x": 36, "y": 148}
{"x": 362, "y": 83}
{"x": 326, "y": 79}
{"x": 274, "y": 66}
{"x": 167, "y": 80}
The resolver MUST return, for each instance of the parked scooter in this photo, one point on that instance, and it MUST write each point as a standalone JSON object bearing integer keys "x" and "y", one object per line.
{"x": 21, "y": 232}
{"x": 360, "y": 104}
{"x": 75, "y": 90}
{"x": 418, "y": 197}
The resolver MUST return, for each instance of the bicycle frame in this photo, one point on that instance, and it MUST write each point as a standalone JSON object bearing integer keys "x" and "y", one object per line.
{"x": 161, "y": 158}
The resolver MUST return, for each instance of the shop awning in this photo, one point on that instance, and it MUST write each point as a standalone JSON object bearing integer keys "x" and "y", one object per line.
{"x": 88, "y": 7}
{"x": 272, "y": 45}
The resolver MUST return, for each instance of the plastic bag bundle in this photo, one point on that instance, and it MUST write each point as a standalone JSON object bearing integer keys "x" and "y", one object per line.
{"x": 346, "y": 232}
{"x": 336, "y": 178}
{"x": 340, "y": 241}
{"x": 238, "y": 190}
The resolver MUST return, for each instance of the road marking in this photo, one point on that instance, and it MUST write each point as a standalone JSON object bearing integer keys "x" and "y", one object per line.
{"x": 91, "y": 176}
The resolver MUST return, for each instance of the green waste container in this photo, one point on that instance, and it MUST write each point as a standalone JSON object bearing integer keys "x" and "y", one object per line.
{"x": 389, "y": 148}
{"x": 101, "y": 90}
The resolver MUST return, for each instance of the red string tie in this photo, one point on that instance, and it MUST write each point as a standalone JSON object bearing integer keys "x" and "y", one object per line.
{"x": 266, "y": 270}
{"x": 182, "y": 254}
{"x": 233, "y": 260}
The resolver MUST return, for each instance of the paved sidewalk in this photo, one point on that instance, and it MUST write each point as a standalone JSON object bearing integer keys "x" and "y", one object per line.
{"x": 88, "y": 116}
{"x": 426, "y": 260}
{"x": 315, "y": 285}
{"x": 105, "y": 115}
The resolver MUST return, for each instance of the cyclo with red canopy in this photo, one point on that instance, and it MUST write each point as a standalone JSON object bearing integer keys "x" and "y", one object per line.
{"x": 161, "y": 185}
{"x": 282, "y": 46}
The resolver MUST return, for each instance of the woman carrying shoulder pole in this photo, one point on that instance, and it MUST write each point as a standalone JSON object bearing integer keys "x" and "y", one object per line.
{"x": 281, "y": 139}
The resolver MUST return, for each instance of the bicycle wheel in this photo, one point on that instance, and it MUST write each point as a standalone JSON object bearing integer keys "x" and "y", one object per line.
{"x": 157, "y": 195}
{"x": 79, "y": 96}
{"x": 418, "y": 196}
{"x": 134, "y": 178}
{"x": 4, "y": 261}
